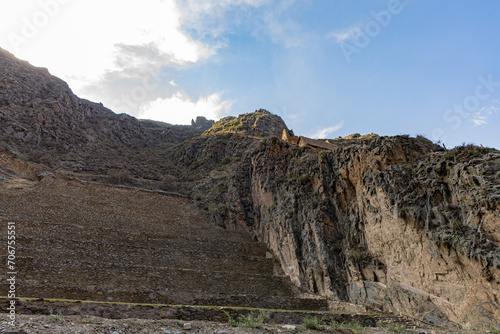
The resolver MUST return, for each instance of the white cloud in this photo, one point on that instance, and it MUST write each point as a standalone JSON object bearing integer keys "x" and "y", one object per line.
{"x": 120, "y": 52}
{"x": 84, "y": 40}
{"x": 181, "y": 109}
{"x": 481, "y": 117}
{"x": 109, "y": 51}
{"x": 488, "y": 110}
{"x": 347, "y": 34}
{"x": 327, "y": 132}
{"x": 286, "y": 32}
{"x": 479, "y": 120}
{"x": 215, "y": 18}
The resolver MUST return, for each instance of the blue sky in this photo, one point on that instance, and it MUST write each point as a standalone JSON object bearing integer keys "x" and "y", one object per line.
{"x": 329, "y": 68}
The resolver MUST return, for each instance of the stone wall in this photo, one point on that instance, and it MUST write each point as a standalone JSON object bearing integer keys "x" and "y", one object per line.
{"x": 185, "y": 313}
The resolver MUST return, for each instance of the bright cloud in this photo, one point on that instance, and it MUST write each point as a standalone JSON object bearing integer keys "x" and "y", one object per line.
{"x": 181, "y": 109}
{"x": 488, "y": 110}
{"x": 128, "y": 54}
{"x": 347, "y": 34}
{"x": 81, "y": 41}
{"x": 327, "y": 132}
{"x": 213, "y": 19}
{"x": 477, "y": 119}
{"x": 481, "y": 117}
{"x": 114, "y": 51}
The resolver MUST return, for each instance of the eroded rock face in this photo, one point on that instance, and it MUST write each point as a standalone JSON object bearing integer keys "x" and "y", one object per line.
{"x": 392, "y": 223}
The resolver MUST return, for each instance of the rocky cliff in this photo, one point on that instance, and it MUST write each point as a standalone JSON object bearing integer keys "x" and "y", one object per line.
{"x": 393, "y": 223}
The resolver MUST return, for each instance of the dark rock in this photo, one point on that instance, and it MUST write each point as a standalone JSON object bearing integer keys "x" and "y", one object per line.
{"x": 44, "y": 175}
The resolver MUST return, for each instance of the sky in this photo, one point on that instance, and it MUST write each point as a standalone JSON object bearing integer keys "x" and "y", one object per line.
{"x": 329, "y": 68}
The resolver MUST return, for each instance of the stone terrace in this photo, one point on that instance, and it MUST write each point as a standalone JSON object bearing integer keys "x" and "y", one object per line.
{"x": 96, "y": 242}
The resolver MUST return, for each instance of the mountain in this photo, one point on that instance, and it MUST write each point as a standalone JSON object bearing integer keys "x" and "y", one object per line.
{"x": 42, "y": 121}
{"x": 394, "y": 224}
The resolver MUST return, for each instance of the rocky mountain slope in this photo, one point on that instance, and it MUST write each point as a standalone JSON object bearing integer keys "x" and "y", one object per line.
{"x": 391, "y": 223}
{"x": 84, "y": 241}
{"x": 39, "y": 110}
{"x": 42, "y": 121}
{"x": 394, "y": 223}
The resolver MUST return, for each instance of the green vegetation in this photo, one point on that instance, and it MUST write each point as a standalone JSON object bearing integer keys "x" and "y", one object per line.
{"x": 358, "y": 136}
{"x": 57, "y": 319}
{"x": 312, "y": 323}
{"x": 467, "y": 152}
{"x": 357, "y": 328}
{"x": 249, "y": 320}
{"x": 87, "y": 320}
{"x": 233, "y": 322}
{"x": 393, "y": 327}
{"x": 243, "y": 124}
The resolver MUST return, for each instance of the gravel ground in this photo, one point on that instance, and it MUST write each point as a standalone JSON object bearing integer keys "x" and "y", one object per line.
{"x": 95, "y": 325}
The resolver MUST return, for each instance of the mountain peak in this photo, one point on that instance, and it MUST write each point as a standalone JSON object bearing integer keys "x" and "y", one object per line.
{"x": 260, "y": 123}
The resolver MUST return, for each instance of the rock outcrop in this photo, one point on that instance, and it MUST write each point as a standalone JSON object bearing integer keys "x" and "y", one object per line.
{"x": 393, "y": 223}
{"x": 172, "y": 133}
{"x": 260, "y": 123}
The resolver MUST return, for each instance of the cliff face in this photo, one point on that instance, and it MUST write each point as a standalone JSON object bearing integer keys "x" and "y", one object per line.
{"x": 392, "y": 223}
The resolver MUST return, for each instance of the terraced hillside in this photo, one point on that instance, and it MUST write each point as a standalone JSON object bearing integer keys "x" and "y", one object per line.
{"x": 88, "y": 241}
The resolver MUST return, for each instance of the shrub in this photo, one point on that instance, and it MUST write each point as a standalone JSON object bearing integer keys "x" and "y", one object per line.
{"x": 249, "y": 320}
{"x": 465, "y": 153}
{"x": 393, "y": 327}
{"x": 252, "y": 321}
{"x": 352, "y": 326}
{"x": 119, "y": 177}
{"x": 169, "y": 183}
{"x": 57, "y": 319}
{"x": 312, "y": 323}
